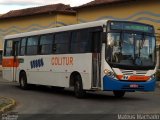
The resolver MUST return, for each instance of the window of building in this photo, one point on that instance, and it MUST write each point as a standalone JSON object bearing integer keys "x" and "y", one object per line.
{"x": 32, "y": 45}
{"x": 61, "y": 43}
{"x": 46, "y": 43}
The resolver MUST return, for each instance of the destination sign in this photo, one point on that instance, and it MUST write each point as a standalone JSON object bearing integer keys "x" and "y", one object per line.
{"x": 115, "y": 25}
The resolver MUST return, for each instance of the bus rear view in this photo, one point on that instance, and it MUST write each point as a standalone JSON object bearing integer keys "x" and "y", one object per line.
{"x": 130, "y": 52}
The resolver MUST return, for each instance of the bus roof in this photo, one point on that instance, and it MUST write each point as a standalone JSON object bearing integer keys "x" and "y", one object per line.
{"x": 59, "y": 29}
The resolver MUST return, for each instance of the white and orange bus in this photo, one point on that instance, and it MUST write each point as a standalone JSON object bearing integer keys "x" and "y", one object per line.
{"x": 105, "y": 55}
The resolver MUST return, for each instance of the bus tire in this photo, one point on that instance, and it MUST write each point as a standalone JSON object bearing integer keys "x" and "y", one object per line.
{"x": 78, "y": 87}
{"x": 119, "y": 94}
{"x": 23, "y": 81}
{"x": 55, "y": 88}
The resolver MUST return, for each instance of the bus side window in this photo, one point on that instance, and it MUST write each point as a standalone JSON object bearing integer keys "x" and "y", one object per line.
{"x": 8, "y": 48}
{"x": 46, "y": 42}
{"x": 16, "y": 46}
{"x": 80, "y": 41}
{"x": 23, "y": 46}
{"x": 32, "y": 45}
{"x": 96, "y": 40}
{"x": 61, "y": 43}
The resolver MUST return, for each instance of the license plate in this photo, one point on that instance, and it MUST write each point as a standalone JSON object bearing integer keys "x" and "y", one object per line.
{"x": 133, "y": 86}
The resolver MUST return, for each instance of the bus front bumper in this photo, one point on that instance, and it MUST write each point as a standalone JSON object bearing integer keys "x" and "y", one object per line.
{"x": 110, "y": 84}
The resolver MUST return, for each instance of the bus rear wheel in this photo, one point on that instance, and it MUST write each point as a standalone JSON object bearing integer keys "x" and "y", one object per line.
{"x": 119, "y": 94}
{"x": 78, "y": 87}
{"x": 23, "y": 81}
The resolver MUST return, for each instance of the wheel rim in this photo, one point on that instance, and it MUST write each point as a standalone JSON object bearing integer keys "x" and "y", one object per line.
{"x": 77, "y": 87}
{"x": 22, "y": 82}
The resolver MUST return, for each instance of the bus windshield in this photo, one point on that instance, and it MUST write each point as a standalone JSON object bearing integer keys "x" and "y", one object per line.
{"x": 130, "y": 49}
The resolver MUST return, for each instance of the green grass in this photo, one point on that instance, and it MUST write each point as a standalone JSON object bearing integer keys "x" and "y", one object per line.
{"x": 3, "y": 105}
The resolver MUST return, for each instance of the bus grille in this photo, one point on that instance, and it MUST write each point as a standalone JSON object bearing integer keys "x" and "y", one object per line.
{"x": 134, "y": 72}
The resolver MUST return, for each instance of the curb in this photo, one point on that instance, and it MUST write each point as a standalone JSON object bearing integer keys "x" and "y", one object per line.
{"x": 8, "y": 107}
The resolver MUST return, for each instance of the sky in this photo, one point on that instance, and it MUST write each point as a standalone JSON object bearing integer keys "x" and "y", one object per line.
{"x": 7, "y": 5}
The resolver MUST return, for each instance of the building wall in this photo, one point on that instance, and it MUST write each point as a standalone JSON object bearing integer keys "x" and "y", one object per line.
{"x": 31, "y": 23}
{"x": 140, "y": 11}
{"x": 66, "y": 20}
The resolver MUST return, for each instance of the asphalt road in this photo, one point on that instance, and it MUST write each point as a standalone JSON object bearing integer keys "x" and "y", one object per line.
{"x": 44, "y": 100}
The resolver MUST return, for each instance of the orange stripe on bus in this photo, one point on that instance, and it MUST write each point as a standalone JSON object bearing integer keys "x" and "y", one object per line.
{"x": 10, "y": 62}
{"x": 134, "y": 78}
{"x": 139, "y": 78}
{"x": 119, "y": 77}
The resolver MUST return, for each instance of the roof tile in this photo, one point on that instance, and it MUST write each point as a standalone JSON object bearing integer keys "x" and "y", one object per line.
{"x": 100, "y": 2}
{"x": 54, "y": 8}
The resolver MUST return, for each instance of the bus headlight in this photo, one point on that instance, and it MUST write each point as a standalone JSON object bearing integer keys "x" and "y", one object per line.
{"x": 109, "y": 73}
{"x": 153, "y": 76}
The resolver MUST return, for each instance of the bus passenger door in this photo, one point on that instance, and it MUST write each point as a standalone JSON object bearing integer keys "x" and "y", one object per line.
{"x": 15, "y": 59}
{"x": 96, "y": 59}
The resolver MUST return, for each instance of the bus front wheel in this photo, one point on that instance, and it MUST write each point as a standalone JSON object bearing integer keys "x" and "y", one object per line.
{"x": 119, "y": 94}
{"x": 78, "y": 87}
{"x": 23, "y": 81}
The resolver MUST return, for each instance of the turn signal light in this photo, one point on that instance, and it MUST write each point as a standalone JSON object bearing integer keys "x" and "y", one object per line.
{"x": 109, "y": 73}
